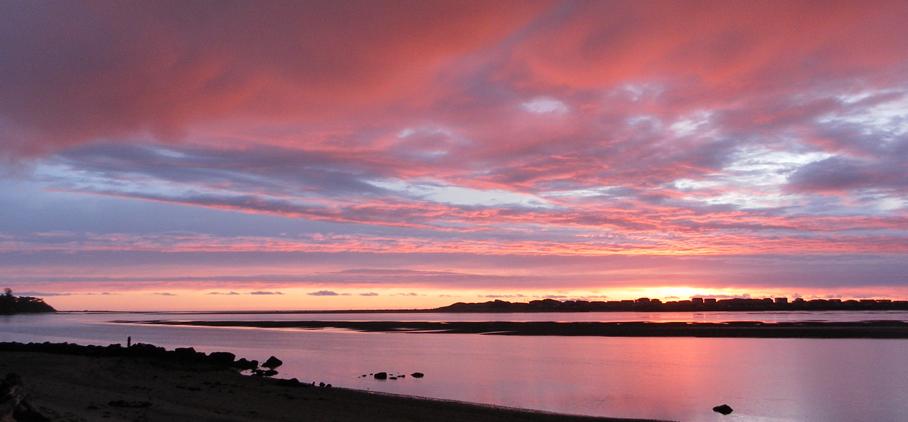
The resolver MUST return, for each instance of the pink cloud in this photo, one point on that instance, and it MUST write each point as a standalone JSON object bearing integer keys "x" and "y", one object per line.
{"x": 108, "y": 70}
{"x": 544, "y": 129}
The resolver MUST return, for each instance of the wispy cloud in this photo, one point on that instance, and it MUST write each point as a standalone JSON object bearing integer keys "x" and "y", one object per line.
{"x": 324, "y": 293}
{"x": 230, "y": 293}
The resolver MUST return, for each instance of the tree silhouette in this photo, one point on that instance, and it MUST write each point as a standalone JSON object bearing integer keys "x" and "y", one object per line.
{"x": 10, "y": 304}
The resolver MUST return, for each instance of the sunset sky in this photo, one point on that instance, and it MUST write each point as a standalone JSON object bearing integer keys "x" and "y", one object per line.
{"x": 367, "y": 154}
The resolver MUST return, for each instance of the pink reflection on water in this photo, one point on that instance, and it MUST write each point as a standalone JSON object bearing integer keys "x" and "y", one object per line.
{"x": 661, "y": 378}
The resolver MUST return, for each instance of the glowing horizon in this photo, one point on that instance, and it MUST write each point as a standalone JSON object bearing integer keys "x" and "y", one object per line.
{"x": 162, "y": 151}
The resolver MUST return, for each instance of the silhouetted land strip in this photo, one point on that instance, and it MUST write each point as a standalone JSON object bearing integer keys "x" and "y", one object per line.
{"x": 692, "y": 305}
{"x": 67, "y": 382}
{"x": 863, "y": 329}
{"x": 10, "y": 304}
{"x": 638, "y": 305}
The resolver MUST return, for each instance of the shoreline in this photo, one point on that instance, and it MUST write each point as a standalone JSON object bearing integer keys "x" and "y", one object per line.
{"x": 438, "y": 311}
{"x": 742, "y": 329}
{"x": 67, "y": 382}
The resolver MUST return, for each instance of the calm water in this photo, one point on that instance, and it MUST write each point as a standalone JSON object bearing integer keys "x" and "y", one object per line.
{"x": 666, "y": 378}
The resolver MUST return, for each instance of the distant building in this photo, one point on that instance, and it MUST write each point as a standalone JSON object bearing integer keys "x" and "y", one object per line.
{"x": 710, "y": 301}
{"x": 781, "y": 301}
{"x": 696, "y": 300}
{"x": 643, "y": 300}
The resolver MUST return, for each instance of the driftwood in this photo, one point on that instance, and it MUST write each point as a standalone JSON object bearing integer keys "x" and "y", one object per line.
{"x": 13, "y": 406}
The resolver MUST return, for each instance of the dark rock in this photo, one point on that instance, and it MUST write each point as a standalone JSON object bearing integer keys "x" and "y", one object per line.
{"x": 246, "y": 365}
{"x": 292, "y": 382}
{"x": 321, "y": 384}
{"x": 187, "y": 354}
{"x": 417, "y": 375}
{"x": 264, "y": 372}
{"x": 140, "y": 350}
{"x": 381, "y": 375}
{"x": 184, "y": 352}
{"x": 272, "y": 363}
{"x": 221, "y": 358}
{"x": 723, "y": 409}
{"x": 137, "y": 404}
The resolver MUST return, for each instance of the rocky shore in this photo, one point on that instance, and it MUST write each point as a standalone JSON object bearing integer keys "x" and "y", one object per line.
{"x": 69, "y": 382}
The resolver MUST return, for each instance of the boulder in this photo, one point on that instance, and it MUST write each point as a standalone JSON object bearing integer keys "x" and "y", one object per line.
{"x": 184, "y": 352}
{"x": 221, "y": 358}
{"x": 292, "y": 382}
{"x": 144, "y": 350}
{"x": 723, "y": 409}
{"x": 381, "y": 375}
{"x": 243, "y": 364}
{"x": 272, "y": 363}
{"x": 264, "y": 372}
{"x": 417, "y": 375}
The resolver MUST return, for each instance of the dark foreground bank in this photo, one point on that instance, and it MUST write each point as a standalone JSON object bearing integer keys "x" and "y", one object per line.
{"x": 862, "y": 329}
{"x": 78, "y": 383}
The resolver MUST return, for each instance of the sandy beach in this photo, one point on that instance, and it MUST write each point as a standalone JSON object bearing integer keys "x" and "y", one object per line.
{"x": 66, "y": 387}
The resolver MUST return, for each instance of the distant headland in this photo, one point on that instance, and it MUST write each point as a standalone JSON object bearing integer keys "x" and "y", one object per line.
{"x": 10, "y": 304}
{"x": 694, "y": 304}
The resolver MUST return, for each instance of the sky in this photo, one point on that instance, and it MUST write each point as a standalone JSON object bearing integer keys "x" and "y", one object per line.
{"x": 404, "y": 154}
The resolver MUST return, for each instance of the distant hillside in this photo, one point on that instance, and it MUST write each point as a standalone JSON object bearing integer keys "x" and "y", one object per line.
{"x": 10, "y": 304}
{"x": 694, "y": 304}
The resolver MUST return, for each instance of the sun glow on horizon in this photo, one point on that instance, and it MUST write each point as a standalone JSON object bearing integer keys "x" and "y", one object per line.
{"x": 277, "y": 298}
{"x": 346, "y": 157}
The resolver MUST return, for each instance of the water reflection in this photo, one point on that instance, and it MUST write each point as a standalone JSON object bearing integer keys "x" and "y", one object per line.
{"x": 673, "y": 378}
